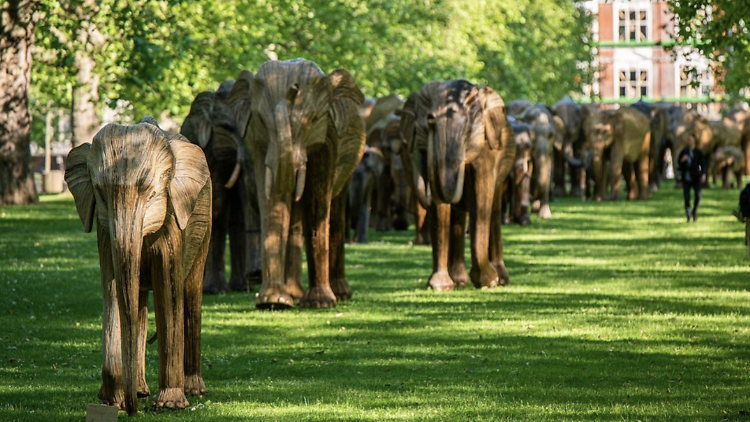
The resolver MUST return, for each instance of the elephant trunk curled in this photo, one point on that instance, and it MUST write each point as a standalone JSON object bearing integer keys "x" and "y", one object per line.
{"x": 126, "y": 230}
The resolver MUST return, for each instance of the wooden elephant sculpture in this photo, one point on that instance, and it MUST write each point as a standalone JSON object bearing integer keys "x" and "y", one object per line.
{"x": 305, "y": 136}
{"x": 573, "y": 116}
{"x": 210, "y": 125}
{"x": 517, "y": 189}
{"x": 150, "y": 194}
{"x": 623, "y": 138}
{"x": 361, "y": 190}
{"x": 545, "y": 130}
{"x": 726, "y": 161}
{"x": 462, "y": 148}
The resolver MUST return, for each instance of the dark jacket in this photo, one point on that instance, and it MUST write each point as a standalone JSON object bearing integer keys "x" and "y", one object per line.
{"x": 695, "y": 166}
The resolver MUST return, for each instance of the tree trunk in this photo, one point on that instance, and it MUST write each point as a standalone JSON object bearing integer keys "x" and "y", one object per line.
{"x": 85, "y": 121}
{"x": 17, "y": 21}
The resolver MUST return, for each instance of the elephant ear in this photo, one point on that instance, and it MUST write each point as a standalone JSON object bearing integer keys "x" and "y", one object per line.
{"x": 498, "y": 131}
{"x": 559, "y": 124}
{"x": 79, "y": 182}
{"x": 189, "y": 176}
{"x": 197, "y": 126}
{"x": 347, "y": 126}
{"x": 383, "y": 108}
{"x": 495, "y": 121}
{"x": 240, "y": 101}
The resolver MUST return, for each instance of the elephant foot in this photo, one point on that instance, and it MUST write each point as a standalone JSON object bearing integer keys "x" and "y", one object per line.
{"x": 273, "y": 297}
{"x": 484, "y": 276}
{"x": 524, "y": 220}
{"x": 319, "y": 297}
{"x": 194, "y": 385}
{"x": 171, "y": 398}
{"x": 545, "y": 212}
{"x": 295, "y": 290}
{"x": 341, "y": 288}
{"x": 559, "y": 191}
{"x": 502, "y": 272}
{"x": 459, "y": 276}
{"x": 143, "y": 390}
{"x": 112, "y": 397}
{"x": 238, "y": 284}
{"x": 536, "y": 205}
{"x": 214, "y": 282}
{"x": 441, "y": 281}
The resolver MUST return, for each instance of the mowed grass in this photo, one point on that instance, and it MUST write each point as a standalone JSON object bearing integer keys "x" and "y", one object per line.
{"x": 615, "y": 311}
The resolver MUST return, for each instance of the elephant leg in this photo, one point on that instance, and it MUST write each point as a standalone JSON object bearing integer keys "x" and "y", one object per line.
{"x": 111, "y": 391}
{"x": 237, "y": 242}
{"x": 363, "y": 222}
{"x": 440, "y": 235}
{"x": 214, "y": 279}
{"x": 169, "y": 302}
{"x": 615, "y": 178}
{"x": 192, "y": 340}
{"x": 142, "y": 387}
{"x": 543, "y": 170}
{"x": 577, "y": 175}
{"x": 480, "y": 210}
{"x": 629, "y": 175}
{"x": 316, "y": 201}
{"x": 457, "y": 268}
{"x": 559, "y": 174}
{"x": 339, "y": 285}
{"x": 276, "y": 216}
{"x": 641, "y": 175}
{"x": 293, "y": 271}
{"x": 496, "y": 241}
{"x": 523, "y": 199}
{"x": 384, "y": 199}
{"x": 422, "y": 226}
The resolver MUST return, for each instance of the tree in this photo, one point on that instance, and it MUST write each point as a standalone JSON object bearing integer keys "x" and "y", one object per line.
{"x": 720, "y": 30}
{"x": 17, "y": 21}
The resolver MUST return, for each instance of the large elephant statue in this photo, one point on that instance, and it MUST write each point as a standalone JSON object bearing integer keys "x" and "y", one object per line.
{"x": 622, "y": 137}
{"x": 150, "y": 194}
{"x": 573, "y": 116}
{"x": 462, "y": 148}
{"x": 296, "y": 118}
{"x": 210, "y": 125}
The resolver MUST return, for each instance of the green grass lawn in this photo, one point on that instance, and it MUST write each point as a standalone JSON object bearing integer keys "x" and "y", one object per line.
{"x": 615, "y": 311}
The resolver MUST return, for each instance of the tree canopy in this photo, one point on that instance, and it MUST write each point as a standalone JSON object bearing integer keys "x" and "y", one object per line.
{"x": 720, "y": 30}
{"x": 157, "y": 55}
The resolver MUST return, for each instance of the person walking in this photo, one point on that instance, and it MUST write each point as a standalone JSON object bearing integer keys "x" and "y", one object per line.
{"x": 692, "y": 166}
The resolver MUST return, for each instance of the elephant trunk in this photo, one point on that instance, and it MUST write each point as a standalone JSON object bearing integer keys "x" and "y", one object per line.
{"x": 446, "y": 166}
{"x": 126, "y": 230}
{"x": 285, "y": 171}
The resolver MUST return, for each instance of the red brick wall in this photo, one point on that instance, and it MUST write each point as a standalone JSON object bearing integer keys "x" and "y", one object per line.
{"x": 605, "y": 22}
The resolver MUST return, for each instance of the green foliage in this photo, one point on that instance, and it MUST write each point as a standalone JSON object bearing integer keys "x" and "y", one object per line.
{"x": 616, "y": 311}
{"x": 719, "y": 29}
{"x": 158, "y": 55}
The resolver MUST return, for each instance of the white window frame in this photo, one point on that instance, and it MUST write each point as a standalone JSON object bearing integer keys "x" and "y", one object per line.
{"x": 639, "y": 84}
{"x": 627, "y": 9}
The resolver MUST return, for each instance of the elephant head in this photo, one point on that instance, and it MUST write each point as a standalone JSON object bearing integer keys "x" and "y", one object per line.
{"x": 210, "y": 125}
{"x": 139, "y": 183}
{"x": 455, "y": 122}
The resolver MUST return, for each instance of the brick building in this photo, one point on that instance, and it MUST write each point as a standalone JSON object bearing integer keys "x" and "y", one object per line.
{"x": 633, "y": 60}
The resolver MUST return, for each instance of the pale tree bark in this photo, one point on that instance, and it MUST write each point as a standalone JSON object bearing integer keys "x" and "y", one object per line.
{"x": 85, "y": 121}
{"x": 17, "y": 21}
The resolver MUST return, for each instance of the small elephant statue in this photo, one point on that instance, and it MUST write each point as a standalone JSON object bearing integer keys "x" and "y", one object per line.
{"x": 150, "y": 194}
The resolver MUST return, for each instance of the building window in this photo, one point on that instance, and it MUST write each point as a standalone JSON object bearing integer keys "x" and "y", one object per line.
{"x": 632, "y": 25}
{"x": 693, "y": 83}
{"x": 633, "y": 84}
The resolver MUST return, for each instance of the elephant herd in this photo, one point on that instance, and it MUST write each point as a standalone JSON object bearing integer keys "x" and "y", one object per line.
{"x": 290, "y": 156}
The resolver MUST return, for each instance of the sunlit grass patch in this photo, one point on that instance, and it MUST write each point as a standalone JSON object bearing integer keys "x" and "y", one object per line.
{"x": 615, "y": 311}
